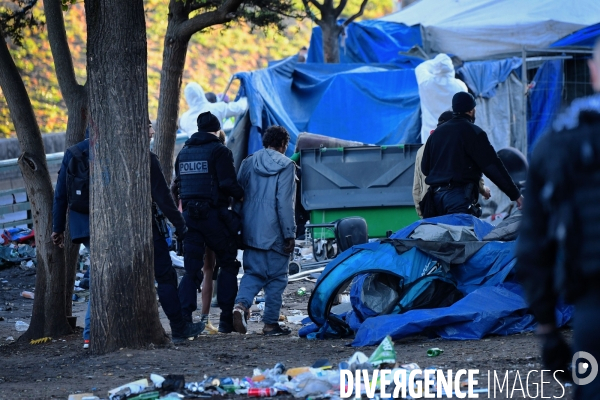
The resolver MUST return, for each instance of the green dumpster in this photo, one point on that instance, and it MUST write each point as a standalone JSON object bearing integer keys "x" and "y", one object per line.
{"x": 373, "y": 182}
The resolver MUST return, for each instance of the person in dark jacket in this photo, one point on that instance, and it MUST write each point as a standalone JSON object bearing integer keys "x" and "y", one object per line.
{"x": 164, "y": 273}
{"x": 557, "y": 249}
{"x": 268, "y": 178}
{"x": 206, "y": 179}
{"x": 455, "y": 156}
{"x": 79, "y": 223}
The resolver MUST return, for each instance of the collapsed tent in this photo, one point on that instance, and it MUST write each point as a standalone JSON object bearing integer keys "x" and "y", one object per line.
{"x": 466, "y": 251}
{"x": 364, "y": 103}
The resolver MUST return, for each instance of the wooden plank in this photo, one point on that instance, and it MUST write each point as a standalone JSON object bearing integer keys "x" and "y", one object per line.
{"x": 12, "y": 224}
{"x": 12, "y": 208}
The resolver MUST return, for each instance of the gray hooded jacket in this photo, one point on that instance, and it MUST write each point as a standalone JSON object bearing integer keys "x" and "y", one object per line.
{"x": 269, "y": 181}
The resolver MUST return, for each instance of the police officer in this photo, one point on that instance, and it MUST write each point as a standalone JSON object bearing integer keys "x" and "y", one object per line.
{"x": 557, "y": 249}
{"x": 206, "y": 179}
{"x": 455, "y": 156}
{"x": 164, "y": 273}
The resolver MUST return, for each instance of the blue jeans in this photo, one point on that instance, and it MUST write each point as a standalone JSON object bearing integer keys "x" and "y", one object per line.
{"x": 266, "y": 269}
{"x": 86, "y": 328}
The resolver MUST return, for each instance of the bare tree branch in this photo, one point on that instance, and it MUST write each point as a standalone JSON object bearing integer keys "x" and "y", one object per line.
{"x": 338, "y": 10}
{"x": 222, "y": 15}
{"x": 63, "y": 62}
{"x": 315, "y": 3}
{"x": 358, "y": 14}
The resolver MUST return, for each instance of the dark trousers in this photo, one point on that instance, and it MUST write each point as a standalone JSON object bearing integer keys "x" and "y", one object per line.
{"x": 586, "y": 331}
{"x": 453, "y": 201}
{"x": 166, "y": 277}
{"x": 211, "y": 232}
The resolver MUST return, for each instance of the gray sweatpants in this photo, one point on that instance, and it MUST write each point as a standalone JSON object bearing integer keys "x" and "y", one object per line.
{"x": 264, "y": 269}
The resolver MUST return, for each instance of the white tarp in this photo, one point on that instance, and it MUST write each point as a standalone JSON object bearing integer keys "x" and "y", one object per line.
{"x": 475, "y": 29}
{"x": 437, "y": 86}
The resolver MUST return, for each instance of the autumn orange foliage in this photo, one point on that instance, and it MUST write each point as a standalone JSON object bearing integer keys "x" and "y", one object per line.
{"x": 213, "y": 57}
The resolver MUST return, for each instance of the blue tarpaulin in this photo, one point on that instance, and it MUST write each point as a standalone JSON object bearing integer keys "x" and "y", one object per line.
{"x": 493, "y": 303}
{"x": 544, "y": 101}
{"x": 371, "y": 42}
{"x": 366, "y": 103}
{"x": 482, "y": 77}
{"x": 585, "y": 37}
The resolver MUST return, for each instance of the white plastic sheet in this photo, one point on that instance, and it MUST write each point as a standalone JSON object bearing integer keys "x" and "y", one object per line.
{"x": 437, "y": 86}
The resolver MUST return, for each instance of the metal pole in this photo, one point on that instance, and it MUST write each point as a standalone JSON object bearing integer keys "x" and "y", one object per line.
{"x": 524, "y": 111}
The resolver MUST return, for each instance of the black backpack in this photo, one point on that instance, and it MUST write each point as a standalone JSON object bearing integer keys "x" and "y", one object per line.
{"x": 78, "y": 181}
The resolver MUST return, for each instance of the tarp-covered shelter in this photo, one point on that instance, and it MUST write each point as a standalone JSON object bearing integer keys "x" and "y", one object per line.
{"x": 376, "y": 104}
{"x": 477, "y": 29}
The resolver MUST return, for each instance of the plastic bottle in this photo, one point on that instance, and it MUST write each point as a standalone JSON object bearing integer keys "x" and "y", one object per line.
{"x": 434, "y": 352}
{"x": 21, "y": 326}
{"x": 262, "y": 392}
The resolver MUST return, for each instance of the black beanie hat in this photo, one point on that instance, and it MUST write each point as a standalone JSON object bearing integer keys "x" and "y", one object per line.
{"x": 463, "y": 102}
{"x": 208, "y": 122}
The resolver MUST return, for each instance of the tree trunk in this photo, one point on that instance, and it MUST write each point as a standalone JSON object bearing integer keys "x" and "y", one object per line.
{"x": 174, "y": 56}
{"x": 331, "y": 31}
{"x": 124, "y": 307}
{"x": 48, "y": 316}
{"x": 75, "y": 97}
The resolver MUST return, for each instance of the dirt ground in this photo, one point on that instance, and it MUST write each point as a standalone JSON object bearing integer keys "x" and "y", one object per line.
{"x": 55, "y": 370}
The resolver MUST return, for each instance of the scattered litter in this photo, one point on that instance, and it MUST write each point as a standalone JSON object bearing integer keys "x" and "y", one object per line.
{"x": 83, "y": 396}
{"x": 41, "y": 340}
{"x": 296, "y": 319}
{"x": 27, "y": 295}
{"x": 434, "y": 352}
{"x": 301, "y": 291}
{"x": 10, "y": 339}
{"x": 21, "y": 326}
{"x": 384, "y": 355}
{"x": 255, "y": 317}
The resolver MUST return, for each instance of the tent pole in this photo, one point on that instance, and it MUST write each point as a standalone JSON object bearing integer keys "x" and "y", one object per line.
{"x": 524, "y": 82}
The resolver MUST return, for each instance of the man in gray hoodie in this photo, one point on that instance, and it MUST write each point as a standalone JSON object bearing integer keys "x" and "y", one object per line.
{"x": 268, "y": 178}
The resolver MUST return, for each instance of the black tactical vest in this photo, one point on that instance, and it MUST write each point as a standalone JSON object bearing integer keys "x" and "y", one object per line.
{"x": 197, "y": 175}
{"x": 572, "y": 193}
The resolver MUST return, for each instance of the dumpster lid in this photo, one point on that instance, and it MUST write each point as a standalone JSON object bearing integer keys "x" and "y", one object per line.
{"x": 351, "y": 177}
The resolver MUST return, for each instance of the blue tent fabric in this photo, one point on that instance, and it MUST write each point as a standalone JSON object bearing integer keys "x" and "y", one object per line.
{"x": 544, "y": 101}
{"x": 482, "y": 77}
{"x": 493, "y": 304}
{"x": 371, "y": 42}
{"x": 585, "y": 37}
{"x": 374, "y": 104}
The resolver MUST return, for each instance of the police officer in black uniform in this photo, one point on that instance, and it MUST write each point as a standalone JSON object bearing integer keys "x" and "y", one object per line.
{"x": 206, "y": 178}
{"x": 558, "y": 250}
{"x": 164, "y": 273}
{"x": 455, "y": 156}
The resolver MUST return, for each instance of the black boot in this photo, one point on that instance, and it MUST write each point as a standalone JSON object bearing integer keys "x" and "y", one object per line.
{"x": 181, "y": 332}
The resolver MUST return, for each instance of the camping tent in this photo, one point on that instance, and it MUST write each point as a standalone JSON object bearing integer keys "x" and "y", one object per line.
{"x": 476, "y": 29}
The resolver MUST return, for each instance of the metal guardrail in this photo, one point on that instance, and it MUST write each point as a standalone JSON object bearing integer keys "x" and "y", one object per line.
{"x": 9, "y": 166}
